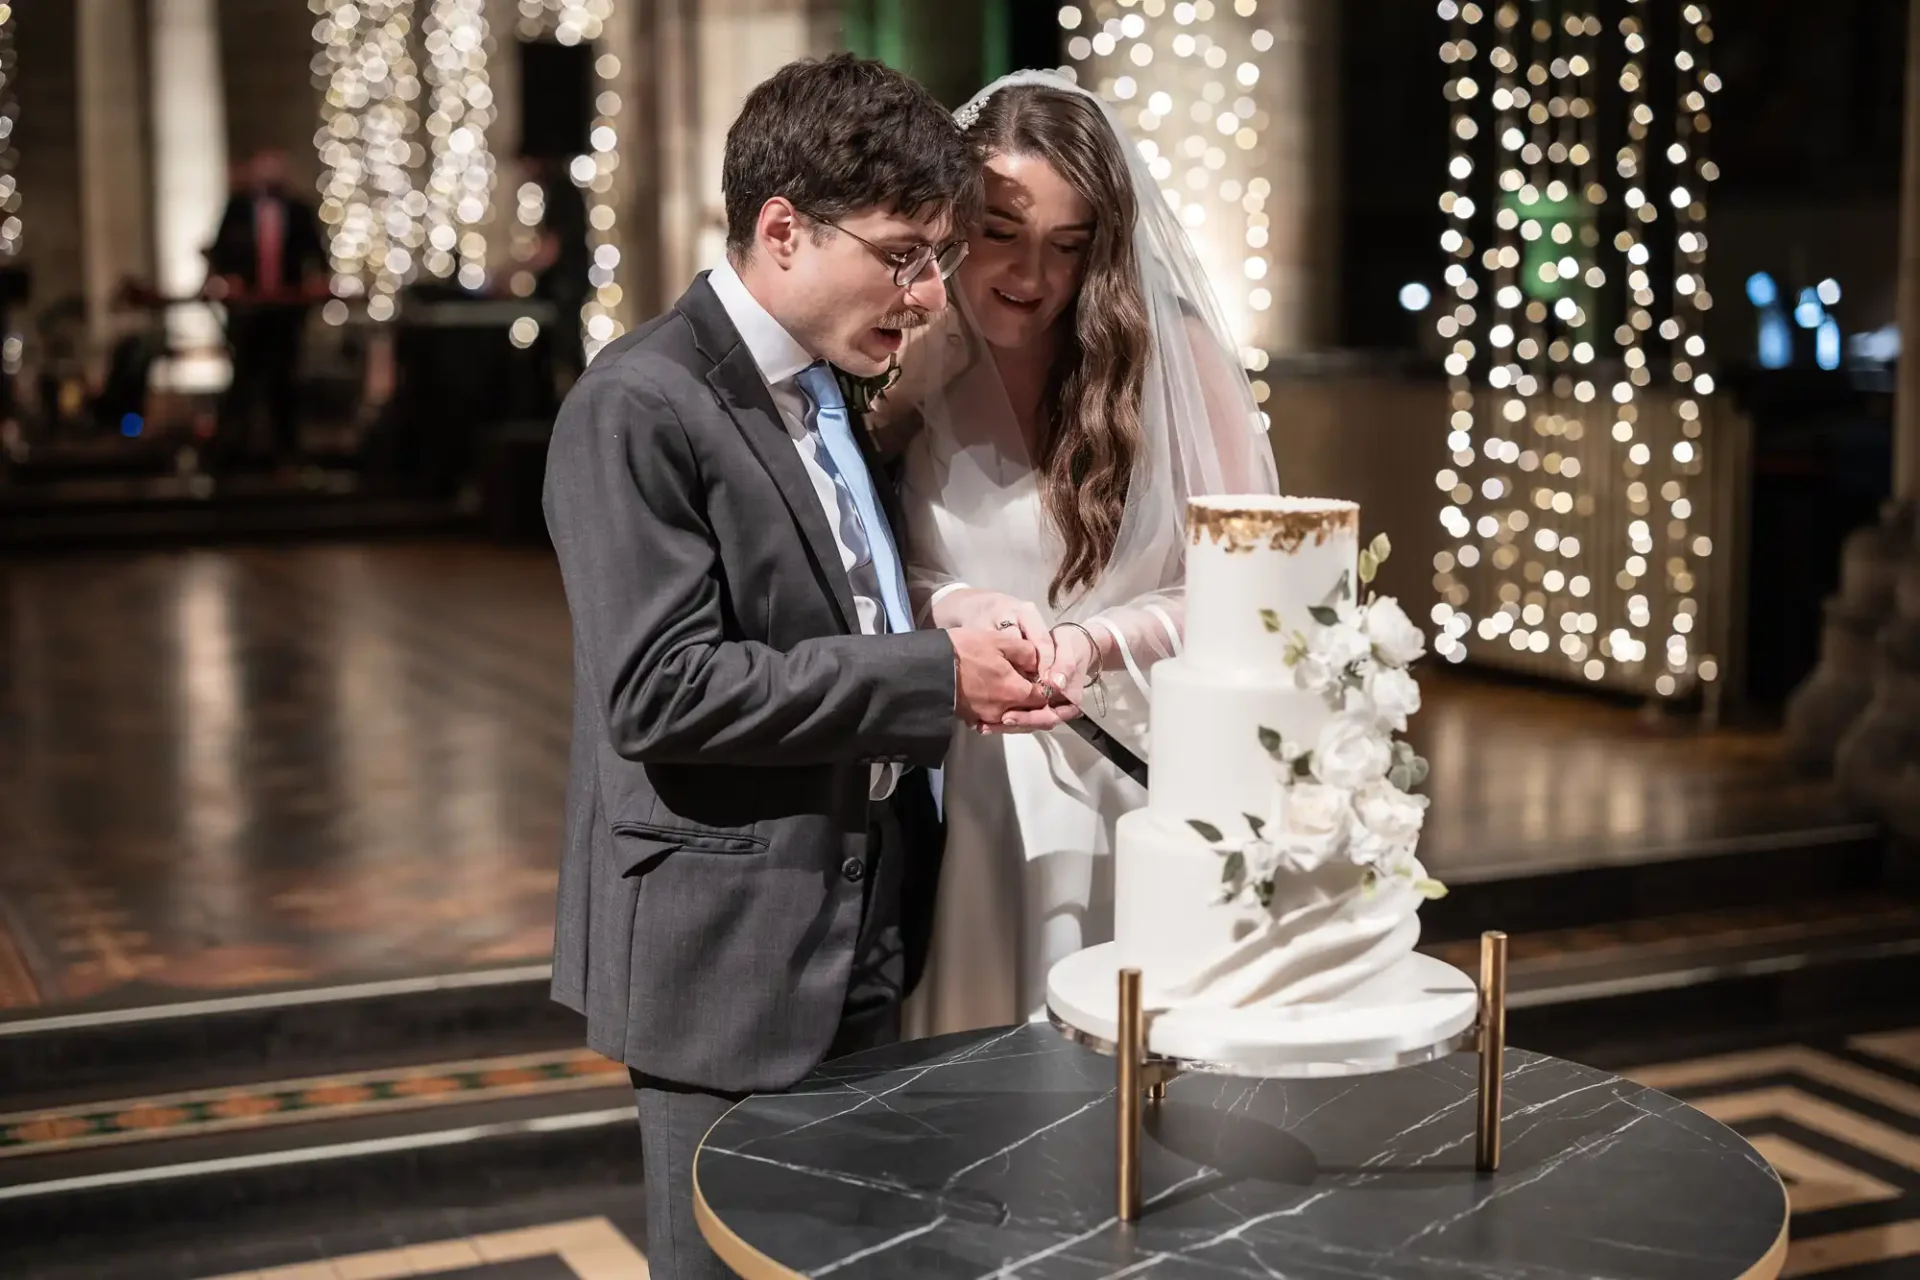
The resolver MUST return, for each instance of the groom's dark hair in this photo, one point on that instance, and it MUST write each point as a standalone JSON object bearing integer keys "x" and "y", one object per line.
{"x": 839, "y": 134}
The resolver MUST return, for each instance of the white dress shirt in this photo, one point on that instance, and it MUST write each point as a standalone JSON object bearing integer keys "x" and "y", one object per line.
{"x": 780, "y": 359}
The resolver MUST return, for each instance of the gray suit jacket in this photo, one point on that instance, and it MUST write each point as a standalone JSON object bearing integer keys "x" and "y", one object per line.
{"x": 726, "y": 715}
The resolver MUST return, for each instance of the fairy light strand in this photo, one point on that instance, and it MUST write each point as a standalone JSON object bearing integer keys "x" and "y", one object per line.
{"x": 1195, "y": 81}
{"x": 12, "y": 229}
{"x": 459, "y": 189}
{"x": 573, "y": 22}
{"x": 1626, "y": 642}
{"x": 1460, "y": 52}
{"x": 1536, "y": 559}
{"x": 1684, "y": 458}
{"x": 368, "y": 200}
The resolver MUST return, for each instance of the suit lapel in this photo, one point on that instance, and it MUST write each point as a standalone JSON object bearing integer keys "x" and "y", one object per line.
{"x": 736, "y": 379}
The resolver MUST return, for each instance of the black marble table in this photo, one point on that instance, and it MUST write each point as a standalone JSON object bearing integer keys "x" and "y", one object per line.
{"x": 992, "y": 1154}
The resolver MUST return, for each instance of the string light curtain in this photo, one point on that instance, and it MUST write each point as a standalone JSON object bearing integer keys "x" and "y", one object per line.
{"x": 366, "y": 143}
{"x": 572, "y": 22}
{"x": 1576, "y": 244}
{"x": 11, "y": 228}
{"x": 459, "y": 189}
{"x": 1195, "y": 82}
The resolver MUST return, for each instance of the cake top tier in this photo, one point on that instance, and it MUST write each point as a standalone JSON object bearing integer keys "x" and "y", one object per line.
{"x": 1247, "y": 522}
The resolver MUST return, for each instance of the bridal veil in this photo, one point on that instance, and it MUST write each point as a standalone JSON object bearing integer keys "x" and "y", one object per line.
{"x": 1201, "y": 432}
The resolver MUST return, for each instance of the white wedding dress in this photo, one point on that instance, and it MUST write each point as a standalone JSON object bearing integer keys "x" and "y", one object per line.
{"x": 1028, "y": 873}
{"x": 1027, "y": 879}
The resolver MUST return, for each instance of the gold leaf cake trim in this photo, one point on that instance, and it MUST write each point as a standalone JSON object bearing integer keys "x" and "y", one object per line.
{"x": 1250, "y": 528}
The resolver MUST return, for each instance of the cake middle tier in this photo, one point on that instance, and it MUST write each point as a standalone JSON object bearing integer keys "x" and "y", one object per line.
{"x": 1207, "y": 759}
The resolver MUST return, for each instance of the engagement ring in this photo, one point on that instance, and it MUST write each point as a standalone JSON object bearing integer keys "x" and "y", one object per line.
{"x": 1006, "y": 624}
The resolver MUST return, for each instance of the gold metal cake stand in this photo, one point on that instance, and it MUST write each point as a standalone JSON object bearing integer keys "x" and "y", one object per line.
{"x": 1143, "y": 1076}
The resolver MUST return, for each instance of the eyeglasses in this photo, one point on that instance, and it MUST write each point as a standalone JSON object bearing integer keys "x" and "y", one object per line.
{"x": 910, "y": 266}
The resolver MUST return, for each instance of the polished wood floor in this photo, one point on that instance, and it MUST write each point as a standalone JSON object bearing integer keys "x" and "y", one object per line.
{"x": 231, "y": 769}
{"x": 227, "y": 769}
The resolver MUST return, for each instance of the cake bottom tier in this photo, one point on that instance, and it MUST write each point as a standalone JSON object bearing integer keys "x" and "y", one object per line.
{"x": 1324, "y": 934}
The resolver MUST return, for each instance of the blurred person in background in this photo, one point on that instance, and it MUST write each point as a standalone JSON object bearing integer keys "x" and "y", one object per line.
{"x": 268, "y": 264}
{"x": 561, "y": 265}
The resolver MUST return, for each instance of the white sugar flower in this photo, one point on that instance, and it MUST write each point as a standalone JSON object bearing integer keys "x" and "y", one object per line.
{"x": 1314, "y": 674}
{"x": 1353, "y": 750}
{"x": 1314, "y": 820}
{"x": 1340, "y": 646}
{"x": 1390, "y": 815}
{"x": 1395, "y": 695}
{"x": 1392, "y": 633}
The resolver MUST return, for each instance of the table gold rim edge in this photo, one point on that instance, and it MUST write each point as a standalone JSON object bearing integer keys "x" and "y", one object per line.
{"x": 746, "y": 1261}
{"x": 1774, "y": 1260}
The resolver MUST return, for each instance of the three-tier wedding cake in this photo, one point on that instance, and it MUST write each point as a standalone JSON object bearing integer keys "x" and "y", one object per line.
{"x": 1274, "y": 865}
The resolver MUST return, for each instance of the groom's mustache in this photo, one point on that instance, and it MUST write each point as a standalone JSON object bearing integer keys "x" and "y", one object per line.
{"x": 903, "y": 320}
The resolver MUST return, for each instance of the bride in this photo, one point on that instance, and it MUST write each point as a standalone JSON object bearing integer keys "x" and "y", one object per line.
{"x": 1081, "y": 387}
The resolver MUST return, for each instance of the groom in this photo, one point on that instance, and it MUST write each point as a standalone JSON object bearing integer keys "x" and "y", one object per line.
{"x": 753, "y": 711}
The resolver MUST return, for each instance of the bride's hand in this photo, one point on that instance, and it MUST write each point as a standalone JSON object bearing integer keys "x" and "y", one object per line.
{"x": 1065, "y": 679}
{"x": 1074, "y": 656}
{"x": 983, "y": 610}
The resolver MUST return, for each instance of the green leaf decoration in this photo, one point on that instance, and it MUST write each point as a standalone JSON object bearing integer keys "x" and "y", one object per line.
{"x": 1381, "y": 548}
{"x": 1420, "y": 771}
{"x": 1255, "y": 824}
{"x": 1402, "y": 752}
{"x": 1342, "y": 590}
{"x": 1235, "y": 868}
{"x": 1270, "y": 740}
{"x": 1264, "y": 892}
{"x": 1208, "y": 832}
{"x": 1303, "y": 765}
{"x": 1368, "y": 566}
{"x": 1270, "y": 620}
{"x": 1430, "y": 889}
{"x": 1401, "y": 776}
{"x": 1324, "y": 615}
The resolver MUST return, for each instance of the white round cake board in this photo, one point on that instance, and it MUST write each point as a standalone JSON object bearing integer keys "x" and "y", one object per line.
{"x": 1416, "y": 1011}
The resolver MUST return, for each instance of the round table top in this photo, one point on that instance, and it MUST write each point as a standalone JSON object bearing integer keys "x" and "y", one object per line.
{"x": 992, "y": 1154}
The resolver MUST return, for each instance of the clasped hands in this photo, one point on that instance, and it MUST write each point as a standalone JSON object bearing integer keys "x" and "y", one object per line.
{"x": 1012, "y": 673}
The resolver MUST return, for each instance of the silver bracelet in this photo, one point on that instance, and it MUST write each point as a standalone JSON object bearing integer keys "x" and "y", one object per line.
{"x": 1093, "y": 675}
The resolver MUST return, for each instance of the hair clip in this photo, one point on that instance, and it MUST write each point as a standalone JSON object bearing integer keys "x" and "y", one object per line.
{"x": 968, "y": 114}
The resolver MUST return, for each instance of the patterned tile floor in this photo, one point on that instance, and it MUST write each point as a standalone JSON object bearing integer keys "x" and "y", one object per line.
{"x": 584, "y": 1249}
{"x": 242, "y": 768}
{"x": 281, "y": 1102}
{"x": 1840, "y": 1122}
{"x": 572, "y": 1232}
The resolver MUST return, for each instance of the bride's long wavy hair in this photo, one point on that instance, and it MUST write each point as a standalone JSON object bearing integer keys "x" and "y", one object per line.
{"x": 1092, "y": 433}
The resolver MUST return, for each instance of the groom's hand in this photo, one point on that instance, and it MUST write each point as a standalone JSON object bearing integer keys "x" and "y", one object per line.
{"x": 996, "y": 675}
{"x": 996, "y": 611}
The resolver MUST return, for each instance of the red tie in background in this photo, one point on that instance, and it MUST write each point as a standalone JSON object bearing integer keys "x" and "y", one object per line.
{"x": 269, "y": 222}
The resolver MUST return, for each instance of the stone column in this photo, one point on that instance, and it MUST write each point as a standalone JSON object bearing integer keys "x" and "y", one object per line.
{"x": 1304, "y": 143}
{"x": 115, "y": 212}
{"x": 189, "y": 158}
{"x": 697, "y": 60}
{"x": 1878, "y": 759}
{"x": 1906, "y": 443}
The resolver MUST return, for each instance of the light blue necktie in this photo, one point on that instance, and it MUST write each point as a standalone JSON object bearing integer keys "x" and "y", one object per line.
{"x": 848, "y": 468}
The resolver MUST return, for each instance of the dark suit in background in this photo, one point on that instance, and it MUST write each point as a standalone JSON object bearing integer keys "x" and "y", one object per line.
{"x": 729, "y": 903}
{"x": 269, "y": 246}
